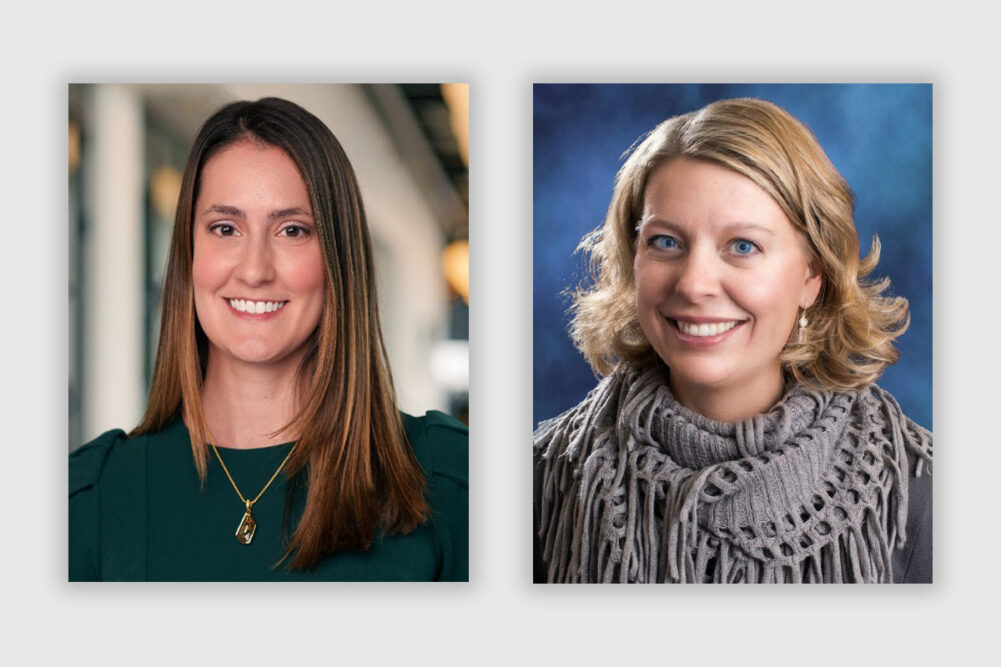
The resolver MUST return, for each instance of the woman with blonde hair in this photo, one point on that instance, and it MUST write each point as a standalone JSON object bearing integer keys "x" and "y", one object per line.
{"x": 272, "y": 409}
{"x": 737, "y": 434}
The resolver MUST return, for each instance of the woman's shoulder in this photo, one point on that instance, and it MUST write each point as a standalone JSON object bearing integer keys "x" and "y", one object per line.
{"x": 918, "y": 441}
{"x": 107, "y": 483}
{"x": 890, "y": 405}
{"x": 912, "y": 561}
{"x": 441, "y": 444}
{"x": 87, "y": 463}
{"x": 912, "y": 564}
{"x": 114, "y": 455}
{"x": 560, "y": 435}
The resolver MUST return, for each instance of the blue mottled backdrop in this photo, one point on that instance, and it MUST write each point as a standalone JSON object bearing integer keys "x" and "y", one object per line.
{"x": 878, "y": 136}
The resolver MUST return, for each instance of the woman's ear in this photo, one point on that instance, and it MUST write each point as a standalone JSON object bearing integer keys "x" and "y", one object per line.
{"x": 811, "y": 285}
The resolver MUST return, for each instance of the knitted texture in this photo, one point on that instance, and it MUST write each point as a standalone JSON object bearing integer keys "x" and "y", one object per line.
{"x": 637, "y": 488}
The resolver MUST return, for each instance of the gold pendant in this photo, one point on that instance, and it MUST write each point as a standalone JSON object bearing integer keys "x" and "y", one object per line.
{"x": 245, "y": 531}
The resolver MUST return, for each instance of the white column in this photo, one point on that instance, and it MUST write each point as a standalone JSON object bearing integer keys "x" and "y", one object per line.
{"x": 113, "y": 263}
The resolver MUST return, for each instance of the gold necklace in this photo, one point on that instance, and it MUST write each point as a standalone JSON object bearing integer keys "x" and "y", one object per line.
{"x": 245, "y": 531}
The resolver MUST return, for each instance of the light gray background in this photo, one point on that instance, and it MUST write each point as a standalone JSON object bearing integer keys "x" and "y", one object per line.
{"x": 499, "y": 617}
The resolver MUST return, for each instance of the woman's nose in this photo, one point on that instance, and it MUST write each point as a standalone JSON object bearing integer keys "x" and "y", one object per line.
{"x": 257, "y": 262}
{"x": 699, "y": 277}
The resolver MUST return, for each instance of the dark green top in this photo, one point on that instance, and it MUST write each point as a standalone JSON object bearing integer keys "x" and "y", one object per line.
{"x": 137, "y": 513}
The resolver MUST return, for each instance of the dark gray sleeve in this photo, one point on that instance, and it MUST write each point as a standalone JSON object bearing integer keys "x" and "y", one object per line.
{"x": 912, "y": 563}
{"x": 538, "y": 566}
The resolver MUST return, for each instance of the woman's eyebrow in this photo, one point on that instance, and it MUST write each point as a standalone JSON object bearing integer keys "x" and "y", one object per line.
{"x": 658, "y": 222}
{"x": 235, "y": 212}
{"x": 225, "y": 210}
{"x": 750, "y": 226}
{"x": 729, "y": 227}
{"x": 286, "y": 212}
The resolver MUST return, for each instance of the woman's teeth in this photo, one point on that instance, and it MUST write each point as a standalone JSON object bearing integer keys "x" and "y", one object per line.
{"x": 256, "y": 306}
{"x": 714, "y": 329}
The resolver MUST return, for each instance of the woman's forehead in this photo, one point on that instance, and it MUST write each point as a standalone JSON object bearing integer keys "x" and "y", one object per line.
{"x": 695, "y": 194}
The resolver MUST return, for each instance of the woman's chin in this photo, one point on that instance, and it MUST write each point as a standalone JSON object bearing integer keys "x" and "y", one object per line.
{"x": 705, "y": 375}
{"x": 258, "y": 355}
{"x": 688, "y": 385}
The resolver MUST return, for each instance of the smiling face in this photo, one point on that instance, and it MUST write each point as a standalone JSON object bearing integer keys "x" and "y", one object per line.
{"x": 720, "y": 275}
{"x": 258, "y": 271}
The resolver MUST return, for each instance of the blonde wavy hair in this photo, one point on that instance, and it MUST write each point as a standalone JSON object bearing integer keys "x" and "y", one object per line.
{"x": 852, "y": 325}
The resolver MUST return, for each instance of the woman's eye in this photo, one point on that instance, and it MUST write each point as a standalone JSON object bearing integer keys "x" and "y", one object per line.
{"x": 744, "y": 247}
{"x": 295, "y": 231}
{"x": 222, "y": 229}
{"x": 662, "y": 242}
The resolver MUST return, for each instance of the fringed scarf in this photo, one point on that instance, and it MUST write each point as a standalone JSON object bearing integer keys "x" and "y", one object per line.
{"x": 637, "y": 488}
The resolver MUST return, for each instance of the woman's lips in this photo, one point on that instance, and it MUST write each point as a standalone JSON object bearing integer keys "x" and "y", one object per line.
{"x": 255, "y": 310}
{"x": 704, "y": 331}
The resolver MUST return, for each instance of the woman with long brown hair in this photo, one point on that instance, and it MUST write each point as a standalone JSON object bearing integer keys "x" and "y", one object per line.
{"x": 272, "y": 409}
{"x": 737, "y": 435}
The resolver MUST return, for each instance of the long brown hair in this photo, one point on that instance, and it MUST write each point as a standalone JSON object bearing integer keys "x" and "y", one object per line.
{"x": 360, "y": 474}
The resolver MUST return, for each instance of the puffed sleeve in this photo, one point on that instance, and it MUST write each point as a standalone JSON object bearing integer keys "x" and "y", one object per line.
{"x": 85, "y": 467}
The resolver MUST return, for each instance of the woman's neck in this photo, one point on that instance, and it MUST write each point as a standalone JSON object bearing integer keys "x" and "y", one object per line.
{"x": 731, "y": 404}
{"x": 246, "y": 404}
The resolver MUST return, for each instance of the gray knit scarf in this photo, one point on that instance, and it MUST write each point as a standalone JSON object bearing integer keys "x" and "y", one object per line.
{"x": 637, "y": 488}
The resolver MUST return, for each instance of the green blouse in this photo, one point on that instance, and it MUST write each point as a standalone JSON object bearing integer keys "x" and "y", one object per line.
{"x": 137, "y": 512}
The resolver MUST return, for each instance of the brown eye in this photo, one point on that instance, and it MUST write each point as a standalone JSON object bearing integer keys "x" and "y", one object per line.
{"x": 295, "y": 231}
{"x": 222, "y": 229}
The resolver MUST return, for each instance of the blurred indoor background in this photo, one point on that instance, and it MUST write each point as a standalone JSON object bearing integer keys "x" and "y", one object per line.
{"x": 127, "y": 148}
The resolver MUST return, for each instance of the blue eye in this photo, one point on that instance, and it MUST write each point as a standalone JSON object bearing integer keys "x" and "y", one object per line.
{"x": 662, "y": 242}
{"x": 744, "y": 247}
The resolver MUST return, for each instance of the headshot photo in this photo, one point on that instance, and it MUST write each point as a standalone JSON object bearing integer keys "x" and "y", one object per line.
{"x": 732, "y": 326}
{"x": 269, "y": 307}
